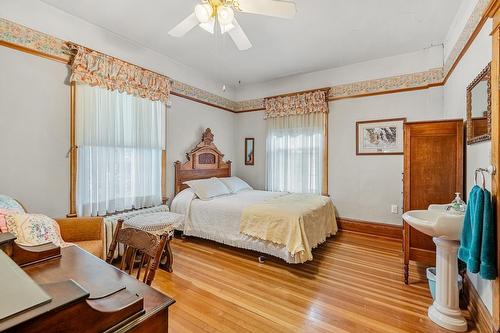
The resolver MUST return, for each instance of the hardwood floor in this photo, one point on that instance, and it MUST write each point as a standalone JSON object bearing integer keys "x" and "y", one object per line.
{"x": 353, "y": 285}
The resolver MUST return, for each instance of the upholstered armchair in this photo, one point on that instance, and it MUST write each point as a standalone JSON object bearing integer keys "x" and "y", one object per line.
{"x": 86, "y": 232}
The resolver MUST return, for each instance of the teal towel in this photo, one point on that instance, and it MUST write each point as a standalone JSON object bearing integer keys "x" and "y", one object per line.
{"x": 488, "y": 270}
{"x": 472, "y": 233}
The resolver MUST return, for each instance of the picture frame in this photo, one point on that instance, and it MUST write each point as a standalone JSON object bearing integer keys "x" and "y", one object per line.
{"x": 380, "y": 137}
{"x": 249, "y": 151}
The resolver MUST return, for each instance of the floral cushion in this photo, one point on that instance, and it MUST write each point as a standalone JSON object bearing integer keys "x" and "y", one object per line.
{"x": 34, "y": 229}
{"x": 3, "y": 222}
{"x": 8, "y": 203}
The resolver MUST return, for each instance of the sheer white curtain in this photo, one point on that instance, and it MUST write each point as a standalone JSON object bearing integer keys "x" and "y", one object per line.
{"x": 120, "y": 139}
{"x": 295, "y": 148}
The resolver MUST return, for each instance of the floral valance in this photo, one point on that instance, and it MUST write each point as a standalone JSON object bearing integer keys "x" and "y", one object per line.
{"x": 289, "y": 105}
{"x": 97, "y": 69}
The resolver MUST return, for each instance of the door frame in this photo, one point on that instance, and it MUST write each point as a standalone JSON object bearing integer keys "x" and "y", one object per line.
{"x": 494, "y": 13}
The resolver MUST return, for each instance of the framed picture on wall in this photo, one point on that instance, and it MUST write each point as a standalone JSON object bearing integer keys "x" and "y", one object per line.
{"x": 380, "y": 137}
{"x": 249, "y": 151}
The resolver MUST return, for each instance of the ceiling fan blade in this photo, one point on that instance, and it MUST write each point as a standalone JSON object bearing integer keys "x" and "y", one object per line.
{"x": 185, "y": 26}
{"x": 239, "y": 37}
{"x": 282, "y": 9}
{"x": 209, "y": 26}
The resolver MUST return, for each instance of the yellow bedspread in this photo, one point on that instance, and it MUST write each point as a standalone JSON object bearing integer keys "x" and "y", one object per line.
{"x": 282, "y": 220}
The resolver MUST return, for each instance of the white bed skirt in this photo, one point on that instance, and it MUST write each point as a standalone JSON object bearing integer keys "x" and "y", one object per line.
{"x": 255, "y": 244}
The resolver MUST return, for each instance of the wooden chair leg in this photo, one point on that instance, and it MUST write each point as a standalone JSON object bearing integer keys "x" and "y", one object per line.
{"x": 168, "y": 258}
{"x": 157, "y": 259}
{"x": 114, "y": 242}
{"x": 406, "y": 273}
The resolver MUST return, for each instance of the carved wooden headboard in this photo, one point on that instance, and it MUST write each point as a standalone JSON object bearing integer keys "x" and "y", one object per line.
{"x": 204, "y": 161}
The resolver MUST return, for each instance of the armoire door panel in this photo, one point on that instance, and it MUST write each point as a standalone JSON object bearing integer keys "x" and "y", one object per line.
{"x": 433, "y": 172}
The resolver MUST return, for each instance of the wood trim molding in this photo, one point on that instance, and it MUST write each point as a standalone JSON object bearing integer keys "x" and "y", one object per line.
{"x": 164, "y": 177}
{"x": 494, "y": 12}
{"x": 174, "y": 93}
{"x": 25, "y": 39}
{"x": 478, "y": 311}
{"x": 324, "y": 176}
{"x": 372, "y": 228}
{"x": 33, "y": 52}
{"x": 326, "y": 90}
{"x": 72, "y": 152}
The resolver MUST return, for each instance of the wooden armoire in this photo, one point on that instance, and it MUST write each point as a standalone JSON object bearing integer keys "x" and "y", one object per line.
{"x": 433, "y": 172}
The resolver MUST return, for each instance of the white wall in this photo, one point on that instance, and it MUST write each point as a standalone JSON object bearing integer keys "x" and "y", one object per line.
{"x": 34, "y": 134}
{"x": 186, "y": 122}
{"x": 362, "y": 187}
{"x": 251, "y": 125}
{"x": 477, "y": 155}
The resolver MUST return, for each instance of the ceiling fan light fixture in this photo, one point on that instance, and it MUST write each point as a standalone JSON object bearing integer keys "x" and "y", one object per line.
{"x": 209, "y": 13}
{"x": 225, "y": 15}
{"x": 203, "y": 12}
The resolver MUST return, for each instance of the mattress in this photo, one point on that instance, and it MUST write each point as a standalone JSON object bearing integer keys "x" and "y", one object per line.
{"x": 218, "y": 219}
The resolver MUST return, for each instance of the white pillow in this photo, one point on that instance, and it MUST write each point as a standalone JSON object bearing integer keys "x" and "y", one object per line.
{"x": 236, "y": 184}
{"x": 207, "y": 189}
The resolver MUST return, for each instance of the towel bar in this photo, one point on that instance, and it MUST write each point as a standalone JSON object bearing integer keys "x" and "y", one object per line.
{"x": 491, "y": 170}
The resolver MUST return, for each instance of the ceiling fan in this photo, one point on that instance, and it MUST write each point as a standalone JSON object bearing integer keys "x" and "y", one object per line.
{"x": 222, "y": 12}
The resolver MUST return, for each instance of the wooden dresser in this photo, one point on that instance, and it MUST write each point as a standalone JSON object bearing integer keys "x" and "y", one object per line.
{"x": 433, "y": 172}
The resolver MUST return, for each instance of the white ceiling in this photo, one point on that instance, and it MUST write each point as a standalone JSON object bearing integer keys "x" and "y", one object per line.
{"x": 324, "y": 34}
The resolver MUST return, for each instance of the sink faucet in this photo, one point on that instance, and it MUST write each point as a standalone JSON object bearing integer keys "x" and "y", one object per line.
{"x": 457, "y": 206}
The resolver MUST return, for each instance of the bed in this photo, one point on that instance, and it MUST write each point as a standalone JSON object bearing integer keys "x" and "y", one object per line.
{"x": 221, "y": 218}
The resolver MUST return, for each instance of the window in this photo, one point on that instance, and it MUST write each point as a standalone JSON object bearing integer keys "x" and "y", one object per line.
{"x": 295, "y": 148}
{"x": 120, "y": 139}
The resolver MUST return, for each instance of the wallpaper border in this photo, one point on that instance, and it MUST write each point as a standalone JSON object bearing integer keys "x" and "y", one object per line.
{"x": 25, "y": 39}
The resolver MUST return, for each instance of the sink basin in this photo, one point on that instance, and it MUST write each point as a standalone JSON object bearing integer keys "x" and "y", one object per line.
{"x": 436, "y": 222}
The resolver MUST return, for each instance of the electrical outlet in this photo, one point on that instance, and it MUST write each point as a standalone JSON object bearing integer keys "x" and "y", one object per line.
{"x": 394, "y": 209}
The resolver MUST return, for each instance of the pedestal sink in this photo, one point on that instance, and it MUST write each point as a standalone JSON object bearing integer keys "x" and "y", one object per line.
{"x": 445, "y": 228}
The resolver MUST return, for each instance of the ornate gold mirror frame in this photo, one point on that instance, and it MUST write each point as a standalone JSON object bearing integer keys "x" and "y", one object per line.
{"x": 475, "y": 124}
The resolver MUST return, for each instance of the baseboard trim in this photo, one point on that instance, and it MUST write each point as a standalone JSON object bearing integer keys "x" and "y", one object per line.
{"x": 478, "y": 311}
{"x": 371, "y": 228}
